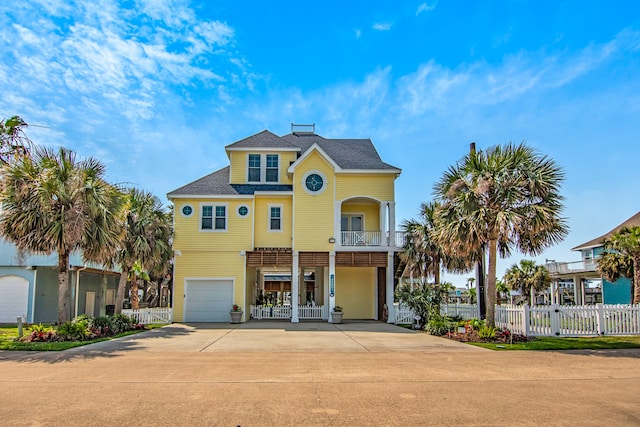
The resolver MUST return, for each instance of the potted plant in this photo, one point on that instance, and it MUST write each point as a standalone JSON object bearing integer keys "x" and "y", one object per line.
{"x": 235, "y": 313}
{"x": 336, "y": 314}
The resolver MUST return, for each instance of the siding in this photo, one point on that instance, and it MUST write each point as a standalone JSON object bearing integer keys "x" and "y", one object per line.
{"x": 355, "y": 291}
{"x": 378, "y": 186}
{"x": 237, "y": 237}
{"x": 313, "y": 214}
{"x": 273, "y": 239}
{"x": 227, "y": 264}
{"x": 371, "y": 213}
{"x": 238, "y": 161}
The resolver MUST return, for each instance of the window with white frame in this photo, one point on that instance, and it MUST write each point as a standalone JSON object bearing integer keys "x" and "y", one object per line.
{"x": 263, "y": 168}
{"x": 272, "y": 168}
{"x": 275, "y": 218}
{"x": 213, "y": 218}
{"x": 254, "y": 168}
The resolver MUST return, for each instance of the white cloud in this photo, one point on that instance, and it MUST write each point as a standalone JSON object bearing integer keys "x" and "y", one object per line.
{"x": 424, "y": 7}
{"x": 358, "y": 33}
{"x": 382, "y": 26}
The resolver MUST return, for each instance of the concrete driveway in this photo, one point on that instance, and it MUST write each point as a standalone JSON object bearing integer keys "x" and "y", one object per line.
{"x": 281, "y": 337}
{"x": 314, "y": 374}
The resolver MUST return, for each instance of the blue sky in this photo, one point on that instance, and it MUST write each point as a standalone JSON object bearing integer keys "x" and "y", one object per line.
{"x": 155, "y": 89}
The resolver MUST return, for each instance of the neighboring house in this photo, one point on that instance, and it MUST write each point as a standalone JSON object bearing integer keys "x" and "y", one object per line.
{"x": 29, "y": 287}
{"x": 581, "y": 281}
{"x": 293, "y": 223}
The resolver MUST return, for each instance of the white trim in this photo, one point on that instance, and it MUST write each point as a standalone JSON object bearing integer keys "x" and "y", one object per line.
{"x": 273, "y": 193}
{"x": 213, "y": 218}
{"x": 211, "y": 196}
{"x": 238, "y": 211}
{"x": 384, "y": 171}
{"x": 254, "y": 149}
{"x": 314, "y": 147}
{"x": 187, "y": 205}
{"x": 275, "y": 205}
{"x": 325, "y": 183}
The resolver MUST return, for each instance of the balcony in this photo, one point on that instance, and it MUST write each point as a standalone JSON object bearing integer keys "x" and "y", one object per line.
{"x": 585, "y": 266}
{"x": 371, "y": 238}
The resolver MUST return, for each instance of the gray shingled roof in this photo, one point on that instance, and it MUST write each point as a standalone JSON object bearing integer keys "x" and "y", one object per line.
{"x": 217, "y": 183}
{"x": 358, "y": 154}
{"x": 634, "y": 221}
{"x": 264, "y": 139}
{"x": 347, "y": 153}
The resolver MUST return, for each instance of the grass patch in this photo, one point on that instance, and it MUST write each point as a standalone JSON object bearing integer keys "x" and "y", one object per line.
{"x": 8, "y": 340}
{"x": 553, "y": 343}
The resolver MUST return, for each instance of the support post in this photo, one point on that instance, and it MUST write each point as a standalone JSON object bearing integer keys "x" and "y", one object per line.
{"x": 332, "y": 284}
{"x": 389, "y": 288}
{"x": 295, "y": 286}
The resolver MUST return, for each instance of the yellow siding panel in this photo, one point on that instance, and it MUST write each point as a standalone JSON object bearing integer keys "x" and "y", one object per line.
{"x": 273, "y": 239}
{"x": 355, "y": 291}
{"x": 313, "y": 214}
{"x": 187, "y": 229}
{"x": 239, "y": 161}
{"x": 191, "y": 264}
{"x": 377, "y": 186}
{"x": 371, "y": 212}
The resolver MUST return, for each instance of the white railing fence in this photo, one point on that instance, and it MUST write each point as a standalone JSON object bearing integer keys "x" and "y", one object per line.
{"x": 405, "y": 315}
{"x": 260, "y": 312}
{"x": 570, "y": 321}
{"x": 150, "y": 315}
{"x": 361, "y": 238}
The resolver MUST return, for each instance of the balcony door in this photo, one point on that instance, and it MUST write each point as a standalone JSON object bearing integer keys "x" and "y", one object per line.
{"x": 352, "y": 226}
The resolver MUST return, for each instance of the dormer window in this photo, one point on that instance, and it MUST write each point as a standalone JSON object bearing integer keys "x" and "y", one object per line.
{"x": 263, "y": 170}
{"x": 254, "y": 167}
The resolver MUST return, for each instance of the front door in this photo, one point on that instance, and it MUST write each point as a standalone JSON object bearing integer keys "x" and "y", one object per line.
{"x": 352, "y": 227}
{"x": 90, "y": 303}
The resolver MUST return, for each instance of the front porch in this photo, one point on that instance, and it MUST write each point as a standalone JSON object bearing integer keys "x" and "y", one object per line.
{"x": 305, "y": 312}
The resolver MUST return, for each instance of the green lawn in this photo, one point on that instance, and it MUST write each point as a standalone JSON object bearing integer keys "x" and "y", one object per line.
{"x": 8, "y": 336}
{"x": 552, "y": 343}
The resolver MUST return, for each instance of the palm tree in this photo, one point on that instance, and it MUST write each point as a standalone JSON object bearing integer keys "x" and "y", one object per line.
{"x": 502, "y": 290}
{"x": 53, "y": 202}
{"x": 527, "y": 277}
{"x": 421, "y": 253}
{"x": 13, "y": 140}
{"x": 146, "y": 240}
{"x": 505, "y": 198}
{"x": 136, "y": 272}
{"x": 626, "y": 244}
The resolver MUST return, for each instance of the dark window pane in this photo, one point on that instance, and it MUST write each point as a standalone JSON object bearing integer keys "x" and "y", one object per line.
{"x": 220, "y": 223}
{"x": 207, "y": 223}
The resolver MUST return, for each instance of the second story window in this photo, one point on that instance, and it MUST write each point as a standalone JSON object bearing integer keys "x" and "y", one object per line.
{"x": 275, "y": 218}
{"x": 272, "y": 168}
{"x": 221, "y": 218}
{"x": 254, "y": 167}
{"x": 213, "y": 218}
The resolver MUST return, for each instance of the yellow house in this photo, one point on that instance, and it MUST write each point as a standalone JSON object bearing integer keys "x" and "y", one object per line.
{"x": 295, "y": 226}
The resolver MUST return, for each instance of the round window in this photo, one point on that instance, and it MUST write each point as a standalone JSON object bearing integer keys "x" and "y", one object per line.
{"x": 187, "y": 210}
{"x": 314, "y": 182}
{"x": 243, "y": 211}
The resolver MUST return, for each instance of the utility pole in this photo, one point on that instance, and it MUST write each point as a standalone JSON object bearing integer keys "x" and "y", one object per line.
{"x": 480, "y": 268}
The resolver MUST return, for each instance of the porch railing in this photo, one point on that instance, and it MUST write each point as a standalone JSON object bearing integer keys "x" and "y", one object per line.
{"x": 260, "y": 312}
{"x": 150, "y": 315}
{"x": 572, "y": 267}
{"x": 361, "y": 238}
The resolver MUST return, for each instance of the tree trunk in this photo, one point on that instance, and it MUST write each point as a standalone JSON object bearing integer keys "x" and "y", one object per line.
{"x": 133, "y": 293}
{"x": 63, "y": 288}
{"x": 636, "y": 279}
{"x": 122, "y": 284}
{"x": 491, "y": 284}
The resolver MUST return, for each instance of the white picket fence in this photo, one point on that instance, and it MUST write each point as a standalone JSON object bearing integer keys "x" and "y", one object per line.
{"x": 148, "y": 316}
{"x": 260, "y": 312}
{"x": 570, "y": 321}
{"x": 405, "y": 315}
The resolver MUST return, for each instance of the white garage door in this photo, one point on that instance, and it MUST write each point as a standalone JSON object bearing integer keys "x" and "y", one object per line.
{"x": 208, "y": 300}
{"x": 14, "y": 298}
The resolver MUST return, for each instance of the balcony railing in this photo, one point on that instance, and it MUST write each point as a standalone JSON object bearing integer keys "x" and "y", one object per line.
{"x": 361, "y": 238}
{"x": 572, "y": 267}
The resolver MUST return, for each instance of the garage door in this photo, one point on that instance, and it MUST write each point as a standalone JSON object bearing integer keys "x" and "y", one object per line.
{"x": 14, "y": 298}
{"x": 208, "y": 300}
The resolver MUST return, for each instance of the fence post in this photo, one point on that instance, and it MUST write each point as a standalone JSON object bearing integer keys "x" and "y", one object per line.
{"x": 526, "y": 315}
{"x": 601, "y": 325}
{"x": 555, "y": 320}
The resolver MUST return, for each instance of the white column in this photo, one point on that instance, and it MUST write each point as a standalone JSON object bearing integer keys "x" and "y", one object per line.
{"x": 577, "y": 293}
{"x": 337, "y": 223}
{"x": 392, "y": 223}
{"x": 390, "y": 308}
{"x": 295, "y": 286}
{"x": 332, "y": 283}
{"x": 383, "y": 223}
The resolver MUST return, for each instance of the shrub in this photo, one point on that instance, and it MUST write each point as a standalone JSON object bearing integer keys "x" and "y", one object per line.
{"x": 74, "y": 330}
{"x": 439, "y": 325}
{"x": 41, "y": 333}
{"x": 102, "y": 326}
{"x": 487, "y": 333}
{"x": 121, "y": 323}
